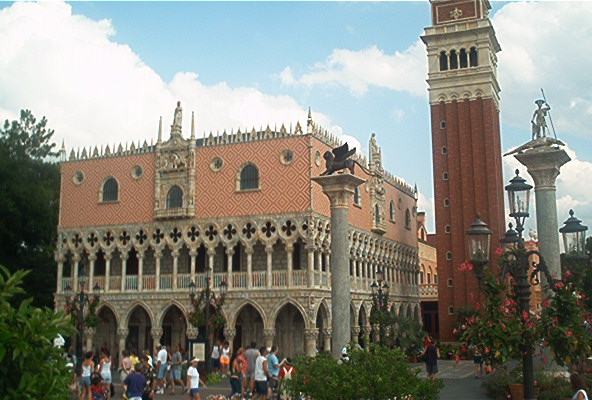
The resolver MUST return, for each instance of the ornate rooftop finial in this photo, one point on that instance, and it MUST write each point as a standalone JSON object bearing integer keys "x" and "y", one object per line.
{"x": 160, "y": 130}
{"x": 309, "y": 123}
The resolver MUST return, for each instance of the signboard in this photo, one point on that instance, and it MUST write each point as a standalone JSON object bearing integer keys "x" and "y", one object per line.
{"x": 197, "y": 349}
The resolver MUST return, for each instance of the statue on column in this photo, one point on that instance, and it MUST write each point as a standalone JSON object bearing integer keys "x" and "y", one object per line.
{"x": 375, "y": 154}
{"x": 538, "y": 121}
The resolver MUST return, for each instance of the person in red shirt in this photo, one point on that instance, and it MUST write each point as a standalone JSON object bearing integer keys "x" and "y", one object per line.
{"x": 286, "y": 373}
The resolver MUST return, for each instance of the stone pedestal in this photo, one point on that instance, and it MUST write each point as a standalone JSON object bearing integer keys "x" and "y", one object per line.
{"x": 340, "y": 189}
{"x": 543, "y": 165}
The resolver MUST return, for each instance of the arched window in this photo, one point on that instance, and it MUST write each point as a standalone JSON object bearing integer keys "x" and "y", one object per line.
{"x": 453, "y": 60}
{"x": 464, "y": 62}
{"x": 249, "y": 178}
{"x": 174, "y": 197}
{"x": 392, "y": 211}
{"x": 377, "y": 213}
{"x": 357, "y": 197}
{"x": 407, "y": 219}
{"x": 443, "y": 61}
{"x": 110, "y": 190}
{"x": 473, "y": 59}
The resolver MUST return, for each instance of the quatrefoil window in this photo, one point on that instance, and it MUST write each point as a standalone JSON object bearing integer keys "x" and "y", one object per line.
{"x": 124, "y": 238}
{"x": 158, "y": 236}
{"x": 288, "y": 228}
{"x": 193, "y": 234}
{"x": 268, "y": 229}
{"x": 76, "y": 240}
{"x": 211, "y": 233}
{"x": 175, "y": 235}
{"x": 108, "y": 238}
{"x": 249, "y": 230}
{"x": 92, "y": 239}
{"x": 229, "y": 231}
{"x": 141, "y": 236}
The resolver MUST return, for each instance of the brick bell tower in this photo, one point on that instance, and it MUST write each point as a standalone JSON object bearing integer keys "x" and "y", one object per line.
{"x": 466, "y": 149}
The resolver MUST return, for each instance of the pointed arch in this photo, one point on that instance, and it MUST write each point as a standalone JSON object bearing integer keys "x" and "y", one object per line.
{"x": 323, "y": 310}
{"x": 132, "y": 307}
{"x": 289, "y": 300}
{"x": 241, "y": 306}
{"x": 105, "y": 305}
{"x": 173, "y": 303}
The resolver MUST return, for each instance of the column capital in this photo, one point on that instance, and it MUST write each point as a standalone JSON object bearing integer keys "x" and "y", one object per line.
{"x": 108, "y": 256}
{"x": 175, "y": 253}
{"x": 327, "y": 332}
{"x": 192, "y": 332}
{"x": 140, "y": 253}
{"x": 311, "y": 333}
{"x": 230, "y": 251}
{"x": 543, "y": 164}
{"x": 75, "y": 257}
{"x": 156, "y": 333}
{"x": 193, "y": 252}
{"x": 269, "y": 248}
{"x": 122, "y": 332}
{"x": 355, "y": 331}
{"x": 92, "y": 256}
{"x": 269, "y": 333}
{"x": 249, "y": 250}
{"x": 229, "y": 333}
{"x": 339, "y": 188}
{"x": 89, "y": 331}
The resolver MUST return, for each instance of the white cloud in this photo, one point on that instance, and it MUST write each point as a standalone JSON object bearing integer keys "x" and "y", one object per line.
{"x": 358, "y": 70}
{"x": 427, "y": 204}
{"x": 95, "y": 91}
{"x": 544, "y": 46}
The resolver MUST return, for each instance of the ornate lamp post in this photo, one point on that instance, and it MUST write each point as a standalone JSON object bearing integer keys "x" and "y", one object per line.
{"x": 574, "y": 237}
{"x": 518, "y": 267}
{"x": 209, "y": 296}
{"x": 380, "y": 291}
{"x": 79, "y": 304}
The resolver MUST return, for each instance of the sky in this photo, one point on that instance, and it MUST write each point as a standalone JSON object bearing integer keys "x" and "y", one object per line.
{"x": 104, "y": 72}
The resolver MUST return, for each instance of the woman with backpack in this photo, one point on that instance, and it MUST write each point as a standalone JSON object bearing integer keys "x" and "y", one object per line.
{"x": 286, "y": 374}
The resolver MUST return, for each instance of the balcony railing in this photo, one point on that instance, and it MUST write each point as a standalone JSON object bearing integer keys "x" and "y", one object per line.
{"x": 259, "y": 280}
{"x": 428, "y": 290}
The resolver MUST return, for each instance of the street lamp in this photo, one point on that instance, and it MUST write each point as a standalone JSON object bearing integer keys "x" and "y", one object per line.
{"x": 380, "y": 291}
{"x": 518, "y": 266}
{"x": 77, "y": 304}
{"x": 209, "y": 296}
{"x": 574, "y": 237}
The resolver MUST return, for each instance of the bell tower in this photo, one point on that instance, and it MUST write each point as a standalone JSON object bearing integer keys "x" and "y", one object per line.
{"x": 466, "y": 146}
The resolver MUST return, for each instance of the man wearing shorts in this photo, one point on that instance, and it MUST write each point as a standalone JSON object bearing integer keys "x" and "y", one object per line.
{"x": 193, "y": 381}
{"x": 251, "y": 355}
{"x": 261, "y": 375}
{"x": 161, "y": 368}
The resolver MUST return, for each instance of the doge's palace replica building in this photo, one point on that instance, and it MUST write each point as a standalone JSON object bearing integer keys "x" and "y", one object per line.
{"x": 145, "y": 221}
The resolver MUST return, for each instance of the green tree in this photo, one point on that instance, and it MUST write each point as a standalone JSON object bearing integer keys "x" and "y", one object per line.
{"x": 29, "y": 203}
{"x": 376, "y": 374}
{"x": 32, "y": 367}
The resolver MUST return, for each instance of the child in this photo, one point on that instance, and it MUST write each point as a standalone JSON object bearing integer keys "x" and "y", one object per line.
{"x": 98, "y": 391}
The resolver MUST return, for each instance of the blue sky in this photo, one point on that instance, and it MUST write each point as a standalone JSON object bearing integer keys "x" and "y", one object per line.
{"x": 103, "y": 72}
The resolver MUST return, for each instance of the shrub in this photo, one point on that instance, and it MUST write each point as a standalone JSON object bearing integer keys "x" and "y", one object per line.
{"x": 32, "y": 367}
{"x": 547, "y": 385}
{"x": 378, "y": 373}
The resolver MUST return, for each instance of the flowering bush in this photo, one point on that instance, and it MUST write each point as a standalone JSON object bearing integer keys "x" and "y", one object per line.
{"x": 501, "y": 328}
{"x": 90, "y": 319}
{"x": 197, "y": 316}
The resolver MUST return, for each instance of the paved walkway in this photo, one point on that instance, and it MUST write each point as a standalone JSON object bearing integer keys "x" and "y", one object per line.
{"x": 459, "y": 380}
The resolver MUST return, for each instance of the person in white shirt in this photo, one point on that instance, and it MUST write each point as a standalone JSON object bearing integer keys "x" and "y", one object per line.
{"x": 261, "y": 375}
{"x": 161, "y": 368}
{"x": 193, "y": 381}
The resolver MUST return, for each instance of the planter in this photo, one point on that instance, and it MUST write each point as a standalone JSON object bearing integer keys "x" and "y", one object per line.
{"x": 517, "y": 391}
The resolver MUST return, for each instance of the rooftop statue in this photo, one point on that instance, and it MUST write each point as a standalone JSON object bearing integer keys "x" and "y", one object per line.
{"x": 338, "y": 159}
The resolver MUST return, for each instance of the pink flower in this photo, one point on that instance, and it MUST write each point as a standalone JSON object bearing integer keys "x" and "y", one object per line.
{"x": 567, "y": 273}
{"x": 499, "y": 251}
{"x": 487, "y": 350}
{"x": 504, "y": 327}
{"x": 455, "y": 331}
{"x": 569, "y": 333}
{"x": 559, "y": 285}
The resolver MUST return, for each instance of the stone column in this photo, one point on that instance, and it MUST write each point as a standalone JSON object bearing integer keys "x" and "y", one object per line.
{"x": 175, "y": 254}
{"x": 366, "y": 330}
{"x": 156, "y": 334}
{"x": 123, "y": 269}
{"x": 268, "y": 336}
{"x": 310, "y": 341}
{"x": 229, "y": 254}
{"x": 140, "y": 255}
{"x": 192, "y": 255}
{"x": 122, "y": 334}
{"x": 289, "y": 252}
{"x": 157, "y": 257}
{"x": 269, "y": 276}
{"x": 211, "y": 254}
{"x": 230, "y": 334}
{"x": 90, "y": 334}
{"x": 327, "y": 339}
{"x": 310, "y": 266}
{"x": 319, "y": 268}
{"x": 376, "y": 334}
{"x": 340, "y": 189}
{"x": 91, "y": 271}
{"x": 75, "y": 260}
{"x": 328, "y": 263}
{"x": 60, "y": 260}
{"x": 108, "y": 257}
{"x": 249, "y": 251}
{"x": 543, "y": 165}
{"x": 355, "y": 333}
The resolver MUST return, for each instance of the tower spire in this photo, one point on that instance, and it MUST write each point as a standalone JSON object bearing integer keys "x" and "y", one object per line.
{"x": 159, "y": 131}
{"x": 192, "y": 125}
